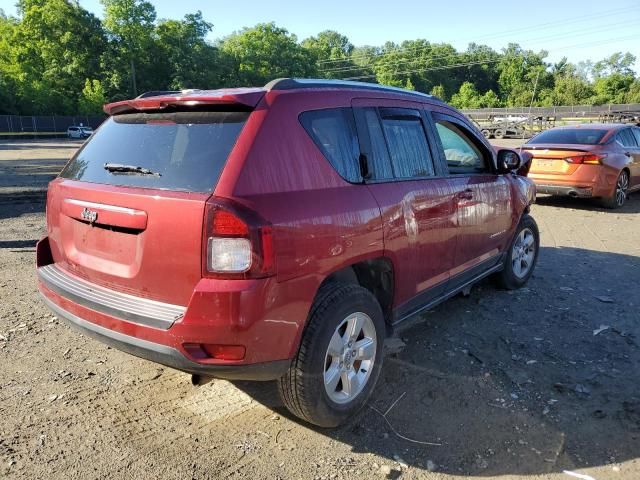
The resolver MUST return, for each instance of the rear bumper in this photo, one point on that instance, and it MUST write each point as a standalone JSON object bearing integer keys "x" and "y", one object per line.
{"x": 264, "y": 316}
{"x": 581, "y": 192}
{"x": 585, "y": 182}
{"x": 166, "y": 355}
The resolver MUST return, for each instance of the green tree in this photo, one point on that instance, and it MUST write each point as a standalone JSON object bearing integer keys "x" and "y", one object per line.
{"x": 53, "y": 48}
{"x": 92, "y": 98}
{"x": 130, "y": 25}
{"x": 612, "y": 88}
{"x": 8, "y": 100}
{"x": 265, "y": 52}
{"x": 489, "y": 100}
{"x": 633, "y": 95}
{"x": 467, "y": 97}
{"x": 620, "y": 63}
{"x": 569, "y": 90}
{"x": 332, "y": 52}
{"x": 438, "y": 91}
{"x": 520, "y": 73}
{"x": 189, "y": 61}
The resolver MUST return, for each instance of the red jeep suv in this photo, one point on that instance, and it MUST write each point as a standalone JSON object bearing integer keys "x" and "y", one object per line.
{"x": 279, "y": 233}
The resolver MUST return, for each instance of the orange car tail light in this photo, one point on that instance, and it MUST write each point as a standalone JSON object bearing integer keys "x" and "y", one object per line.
{"x": 590, "y": 159}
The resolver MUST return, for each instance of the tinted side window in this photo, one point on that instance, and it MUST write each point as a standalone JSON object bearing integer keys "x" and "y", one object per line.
{"x": 379, "y": 161}
{"x": 625, "y": 138}
{"x": 462, "y": 155}
{"x": 407, "y": 142}
{"x": 334, "y": 132}
{"x": 636, "y": 133}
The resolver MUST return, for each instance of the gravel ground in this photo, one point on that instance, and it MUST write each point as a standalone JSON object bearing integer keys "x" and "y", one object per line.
{"x": 520, "y": 385}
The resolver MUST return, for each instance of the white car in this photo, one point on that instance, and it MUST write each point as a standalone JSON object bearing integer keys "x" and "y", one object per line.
{"x": 79, "y": 132}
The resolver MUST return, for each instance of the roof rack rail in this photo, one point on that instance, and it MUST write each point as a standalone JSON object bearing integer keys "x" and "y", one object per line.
{"x": 297, "y": 83}
{"x": 157, "y": 93}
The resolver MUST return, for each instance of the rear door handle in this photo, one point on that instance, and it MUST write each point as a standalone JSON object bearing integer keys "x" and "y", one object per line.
{"x": 466, "y": 194}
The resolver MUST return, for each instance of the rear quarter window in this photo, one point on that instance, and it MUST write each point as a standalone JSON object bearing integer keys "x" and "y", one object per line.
{"x": 625, "y": 138}
{"x": 334, "y": 133}
{"x": 186, "y": 150}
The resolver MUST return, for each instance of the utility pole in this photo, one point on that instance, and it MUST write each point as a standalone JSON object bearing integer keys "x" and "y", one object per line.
{"x": 535, "y": 87}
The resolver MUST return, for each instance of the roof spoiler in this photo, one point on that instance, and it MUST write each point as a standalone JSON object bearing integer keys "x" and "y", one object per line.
{"x": 160, "y": 100}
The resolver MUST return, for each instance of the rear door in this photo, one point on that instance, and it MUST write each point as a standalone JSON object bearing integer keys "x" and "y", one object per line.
{"x": 483, "y": 203}
{"x": 140, "y": 231}
{"x": 413, "y": 195}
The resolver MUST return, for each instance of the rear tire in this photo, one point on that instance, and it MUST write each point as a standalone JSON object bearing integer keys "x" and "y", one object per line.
{"x": 619, "y": 195}
{"x": 499, "y": 134}
{"x": 323, "y": 385}
{"x": 522, "y": 255}
{"x": 486, "y": 133}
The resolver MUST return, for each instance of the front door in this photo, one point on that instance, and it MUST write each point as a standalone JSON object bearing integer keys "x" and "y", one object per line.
{"x": 483, "y": 201}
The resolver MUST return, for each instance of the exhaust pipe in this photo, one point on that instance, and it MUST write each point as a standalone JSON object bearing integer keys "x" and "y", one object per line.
{"x": 573, "y": 194}
{"x": 199, "y": 380}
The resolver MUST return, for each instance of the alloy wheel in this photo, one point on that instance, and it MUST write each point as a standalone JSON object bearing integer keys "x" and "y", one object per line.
{"x": 350, "y": 357}
{"x": 621, "y": 188}
{"x": 523, "y": 253}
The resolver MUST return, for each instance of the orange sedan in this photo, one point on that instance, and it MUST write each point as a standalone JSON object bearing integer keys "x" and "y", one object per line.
{"x": 588, "y": 160}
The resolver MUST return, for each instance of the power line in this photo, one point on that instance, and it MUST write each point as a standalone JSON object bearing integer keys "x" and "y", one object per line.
{"x": 602, "y": 14}
{"x": 575, "y": 33}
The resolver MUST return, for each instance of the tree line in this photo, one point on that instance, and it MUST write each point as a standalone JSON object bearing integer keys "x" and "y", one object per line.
{"x": 58, "y": 58}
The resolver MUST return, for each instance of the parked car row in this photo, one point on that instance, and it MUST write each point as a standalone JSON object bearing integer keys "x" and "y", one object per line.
{"x": 281, "y": 233}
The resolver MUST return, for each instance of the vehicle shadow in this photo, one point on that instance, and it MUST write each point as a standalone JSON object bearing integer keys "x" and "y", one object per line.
{"x": 523, "y": 382}
{"x": 16, "y": 203}
{"x": 23, "y": 185}
{"x": 632, "y": 205}
{"x": 18, "y": 243}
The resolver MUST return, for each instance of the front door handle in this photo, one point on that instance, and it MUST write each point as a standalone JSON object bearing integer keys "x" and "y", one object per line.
{"x": 466, "y": 194}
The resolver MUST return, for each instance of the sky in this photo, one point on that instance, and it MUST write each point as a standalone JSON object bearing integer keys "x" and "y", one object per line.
{"x": 578, "y": 29}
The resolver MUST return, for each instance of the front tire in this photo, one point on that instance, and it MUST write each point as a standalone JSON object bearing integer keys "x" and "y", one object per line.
{"x": 619, "y": 195}
{"x": 522, "y": 256}
{"x": 339, "y": 358}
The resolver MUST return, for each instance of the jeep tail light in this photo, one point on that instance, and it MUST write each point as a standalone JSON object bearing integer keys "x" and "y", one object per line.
{"x": 237, "y": 242}
{"x": 590, "y": 159}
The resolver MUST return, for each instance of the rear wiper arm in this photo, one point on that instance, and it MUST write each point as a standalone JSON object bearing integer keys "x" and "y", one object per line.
{"x": 118, "y": 167}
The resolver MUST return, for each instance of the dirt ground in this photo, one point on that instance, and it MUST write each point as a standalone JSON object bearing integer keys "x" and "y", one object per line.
{"x": 516, "y": 385}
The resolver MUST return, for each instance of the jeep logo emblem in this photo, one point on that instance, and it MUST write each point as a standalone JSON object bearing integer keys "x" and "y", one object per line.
{"x": 89, "y": 215}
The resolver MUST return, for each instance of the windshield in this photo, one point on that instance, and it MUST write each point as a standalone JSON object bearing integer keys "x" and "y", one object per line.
{"x": 570, "y": 136}
{"x": 187, "y": 150}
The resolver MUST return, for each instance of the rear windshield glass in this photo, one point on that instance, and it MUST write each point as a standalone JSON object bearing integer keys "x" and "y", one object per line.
{"x": 581, "y": 136}
{"x": 174, "y": 151}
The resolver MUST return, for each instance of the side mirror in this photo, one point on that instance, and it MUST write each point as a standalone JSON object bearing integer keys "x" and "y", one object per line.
{"x": 508, "y": 160}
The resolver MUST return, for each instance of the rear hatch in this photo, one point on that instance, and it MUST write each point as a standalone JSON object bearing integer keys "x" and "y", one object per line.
{"x": 127, "y": 210}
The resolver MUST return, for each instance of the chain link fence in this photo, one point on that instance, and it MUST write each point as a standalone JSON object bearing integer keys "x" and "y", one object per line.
{"x": 46, "y": 125}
